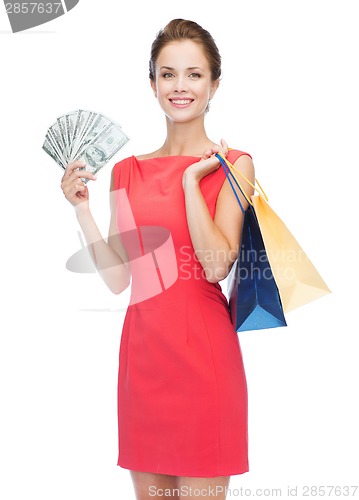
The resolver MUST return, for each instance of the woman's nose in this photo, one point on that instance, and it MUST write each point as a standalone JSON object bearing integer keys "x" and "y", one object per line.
{"x": 181, "y": 85}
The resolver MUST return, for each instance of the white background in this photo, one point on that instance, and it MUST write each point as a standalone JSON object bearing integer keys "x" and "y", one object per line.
{"x": 289, "y": 97}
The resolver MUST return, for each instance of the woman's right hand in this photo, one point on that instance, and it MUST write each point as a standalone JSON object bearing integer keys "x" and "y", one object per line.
{"x": 74, "y": 189}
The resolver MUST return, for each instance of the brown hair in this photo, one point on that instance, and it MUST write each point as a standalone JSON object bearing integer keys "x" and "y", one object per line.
{"x": 181, "y": 29}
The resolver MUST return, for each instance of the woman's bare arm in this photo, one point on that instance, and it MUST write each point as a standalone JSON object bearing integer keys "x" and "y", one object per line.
{"x": 109, "y": 257}
{"x": 216, "y": 241}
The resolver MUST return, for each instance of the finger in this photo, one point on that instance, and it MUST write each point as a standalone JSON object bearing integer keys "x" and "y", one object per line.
{"x": 224, "y": 146}
{"x": 76, "y": 174}
{"x": 74, "y": 189}
{"x": 207, "y": 154}
{"x": 215, "y": 149}
{"x": 213, "y": 162}
{"x": 86, "y": 174}
{"x": 74, "y": 181}
{"x": 73, "y": 166}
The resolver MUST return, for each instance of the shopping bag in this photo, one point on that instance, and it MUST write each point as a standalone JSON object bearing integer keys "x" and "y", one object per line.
{"x": 296, "y": 277}
{"x": 254, "y": 300}
{"x": 298, "y": 280}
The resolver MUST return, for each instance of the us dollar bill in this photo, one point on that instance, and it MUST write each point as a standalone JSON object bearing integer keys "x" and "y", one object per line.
{"x": 102, "y": 148}
{"x": 89, "y": 117}
{"x": 69, "y": 122}
{"x": 84, "y": 135}
{"x": 51, "y": 152}
{"x": 79, "y": 122}
{"x": 54, "y": 139}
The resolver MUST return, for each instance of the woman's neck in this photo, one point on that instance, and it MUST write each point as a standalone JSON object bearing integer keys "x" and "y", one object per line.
{"x": 185, "y": 139}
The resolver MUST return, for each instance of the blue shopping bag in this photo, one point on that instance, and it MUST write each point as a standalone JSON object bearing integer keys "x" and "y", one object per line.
{"x": 254, "y": 299}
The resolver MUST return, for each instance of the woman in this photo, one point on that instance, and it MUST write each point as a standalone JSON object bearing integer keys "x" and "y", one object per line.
{"x": 182, "y": 393}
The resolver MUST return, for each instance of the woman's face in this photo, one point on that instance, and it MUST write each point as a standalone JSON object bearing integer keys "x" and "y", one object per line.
{"x": 183, "y": 83}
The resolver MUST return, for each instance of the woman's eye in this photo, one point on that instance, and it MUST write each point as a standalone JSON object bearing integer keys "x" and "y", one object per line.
{"x": 167, "y": 75}
{"x": 195, "y": 75}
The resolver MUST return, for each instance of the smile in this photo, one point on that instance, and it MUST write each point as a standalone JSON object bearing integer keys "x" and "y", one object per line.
{"x": 181, "y": 103}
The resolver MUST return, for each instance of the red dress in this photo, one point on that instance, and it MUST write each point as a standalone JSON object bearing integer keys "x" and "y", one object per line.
{"x": 182, "y": 390}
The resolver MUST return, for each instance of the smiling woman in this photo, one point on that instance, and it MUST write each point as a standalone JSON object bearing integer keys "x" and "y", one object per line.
{"x": 184, "y": 87}
{"x": 182, "y": 391}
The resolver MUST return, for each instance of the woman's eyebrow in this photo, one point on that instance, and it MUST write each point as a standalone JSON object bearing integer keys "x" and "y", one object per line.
{"x": 172, "y": 69}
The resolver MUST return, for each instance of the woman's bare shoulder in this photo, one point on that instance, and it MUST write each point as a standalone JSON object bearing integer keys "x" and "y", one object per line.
{"x": 154, "y": 154}
{"x": 143, "y": 157}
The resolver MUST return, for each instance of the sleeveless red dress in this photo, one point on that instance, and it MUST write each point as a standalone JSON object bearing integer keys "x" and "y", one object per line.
{"x": 182, "y": 390}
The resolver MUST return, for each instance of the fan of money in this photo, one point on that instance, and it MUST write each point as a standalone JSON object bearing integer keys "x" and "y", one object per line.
{"x": 84, "y": 135}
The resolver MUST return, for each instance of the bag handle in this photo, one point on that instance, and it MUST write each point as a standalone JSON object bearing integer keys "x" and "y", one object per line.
{"x": 228, "y": 172}
{"x": 225, "y": 163}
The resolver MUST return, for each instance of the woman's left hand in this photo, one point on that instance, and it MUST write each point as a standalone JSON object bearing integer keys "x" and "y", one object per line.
{"x": 207, "y": 164}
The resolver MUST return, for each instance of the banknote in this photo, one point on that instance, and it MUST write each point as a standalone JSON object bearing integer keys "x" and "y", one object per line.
{"x": 84, "y": 135}
{"x": 51, "y": 152}
{"x": 102, "y": 147}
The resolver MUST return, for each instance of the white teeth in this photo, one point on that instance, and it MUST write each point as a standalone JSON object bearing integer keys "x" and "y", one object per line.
{"x": 181, "y": 102}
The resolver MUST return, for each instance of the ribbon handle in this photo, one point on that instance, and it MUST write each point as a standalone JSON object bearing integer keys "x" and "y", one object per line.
{"x": 228, "y": 169}
{"x": 228, "y": 172}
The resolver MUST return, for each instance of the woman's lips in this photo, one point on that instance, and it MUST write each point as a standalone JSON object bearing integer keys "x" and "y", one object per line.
{"x": 181, "y": 103}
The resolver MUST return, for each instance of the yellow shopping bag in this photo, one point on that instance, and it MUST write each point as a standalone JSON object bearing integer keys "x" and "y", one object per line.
{"x": 297, "y": 279}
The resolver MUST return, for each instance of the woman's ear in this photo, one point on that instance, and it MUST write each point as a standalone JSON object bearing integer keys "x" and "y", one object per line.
{"x": 214, "y": 88}
{"x": 154, "y": 88}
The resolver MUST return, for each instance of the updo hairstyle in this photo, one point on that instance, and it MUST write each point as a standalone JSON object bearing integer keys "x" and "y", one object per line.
{"x": 181, "y": 29}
